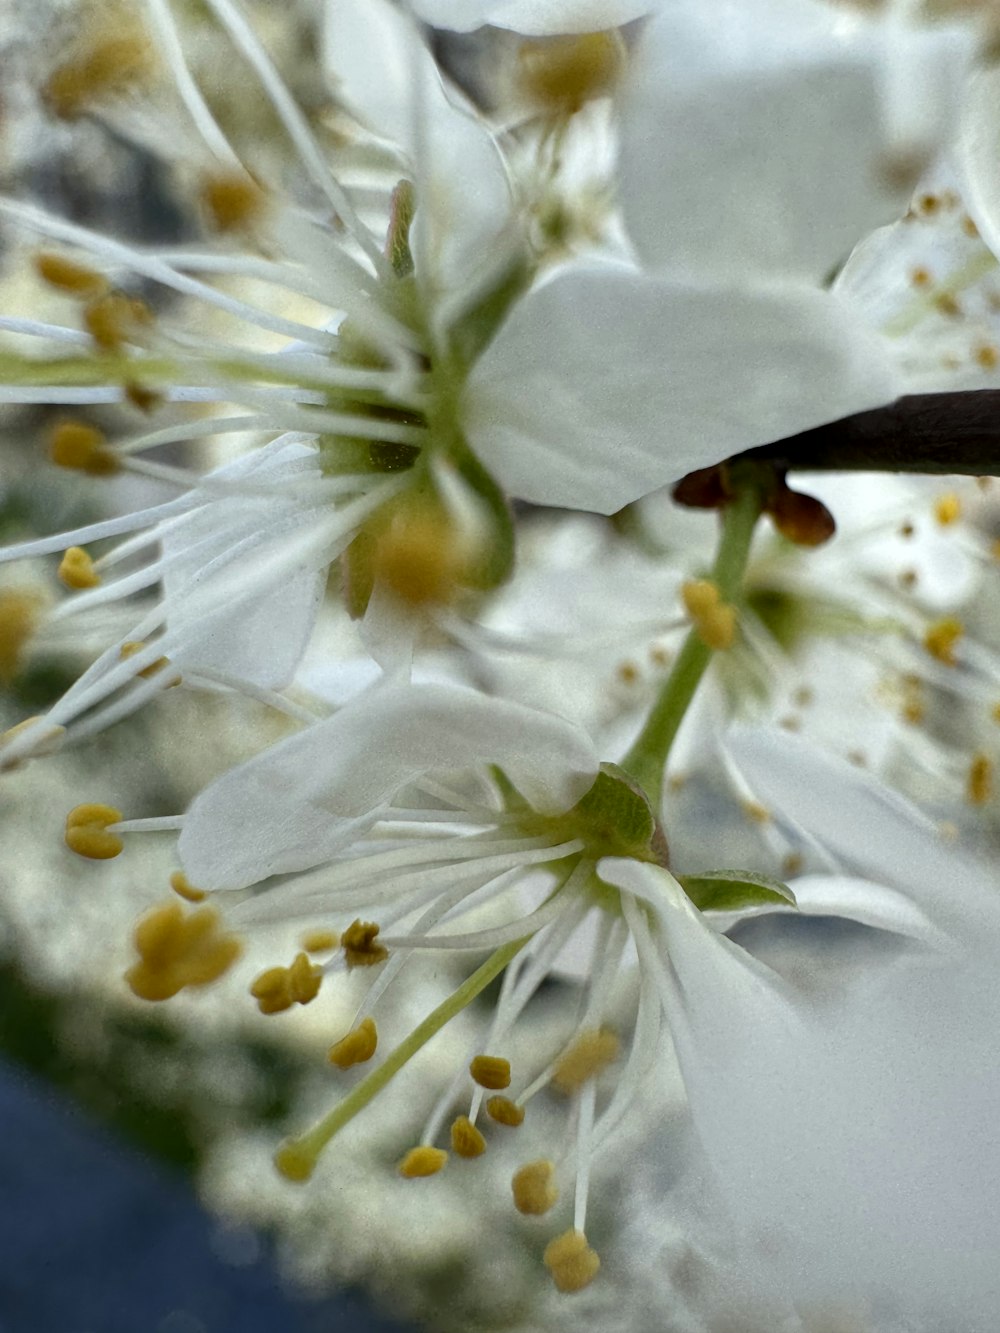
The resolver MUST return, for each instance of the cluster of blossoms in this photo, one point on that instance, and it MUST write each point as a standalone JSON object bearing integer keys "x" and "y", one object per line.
{"x": 650, "y": 239}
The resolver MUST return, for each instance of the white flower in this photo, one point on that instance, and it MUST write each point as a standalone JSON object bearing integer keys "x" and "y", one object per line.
{"x": 531, "y": 17}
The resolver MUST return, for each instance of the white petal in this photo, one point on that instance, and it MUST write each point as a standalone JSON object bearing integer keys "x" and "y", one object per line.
{"x": 531, "y": 17}
{"x": 259, "y": 638}
{"x": 756, "y": 137}
{"x": 979, "y": 146}
{"x": 300, "y": 801}
{"x": 604, "y": 384}
{"x": 380, "y": 67}
{"x": 870, "y": 829}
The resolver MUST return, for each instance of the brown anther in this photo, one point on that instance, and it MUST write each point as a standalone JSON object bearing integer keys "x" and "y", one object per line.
{"x": 799, "y": 518}
{"x": 587, "y": 1056}
{"x": 178, "y": 951}
{"x": 67, "y": 276}
{"x": 969, "y": 227}
{"x": 571, "y": 1262}
{"x": 490, "y": 1071}
{"x": 947, "y": 304}
{"x": 466, "y": 1140}
{"x": 979, "y": 782}
{"x": 628, "y": 673}
{"x": 920, "y": 277}
{"x": 534, "y": 1188}
{"x": 87, "y": 831}
{"x": 704, "y": 488}
{"x": 360, "y": 945}
{"x": 987, "y": 356}
{"x": 995, "y": 713}
{"x": 319, "y": 941}
{"x": 231, "y": 200}
{"x": 76, "y": 570}
{"x": 504, "y": 1111}
{"x": 145, "y": 399}
{"x": 941, "y": 638}
{"x": 423, "y": 1161}
{"x": 792, "y": 865}
{"x": 755, "y": 812}
{"x": 115, "y": 319}
{"x": 108, "y": 67}
{"x": 82, "y": 448}
{"x": 357, "y": 1047}
{"x": 183, "y": 887}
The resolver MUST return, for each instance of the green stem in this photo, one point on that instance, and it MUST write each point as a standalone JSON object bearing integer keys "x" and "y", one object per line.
{"x": 296, "y": 1158}
{"x": 646, "y": 761}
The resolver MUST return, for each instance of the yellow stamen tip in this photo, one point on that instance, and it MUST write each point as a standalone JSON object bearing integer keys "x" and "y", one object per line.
{"x": 947, "y": 509}
{"x": 177, "y": 951}
{"x": 106, "y": 67}
{"x": 534, "y": 1188}
{"x": 46, "y": 742}
{"x": 183, "y": 887}
{"x": 571, "y": 1262}
{"x": 67, "y": 276}
{"x": 561, "y": 74}
{"x": 360, "y": 945}
{"x": 319, "y": 941}
{"x": 979, "y": 783}
{"x": 279, "y": 988}
{"x": 82, "y": 448}
{"x": 587, "y": 1057}
{"x": 941, "y": 639}
{"x": 490, "y": 1071}
{"x": 699, "y": 597}
{"x": 423, "y": 1161}
{"x": 87, "y": 831}
{"x": 231, "y": 200}
{"x": 504, "y": 1111}
{"x": 116, "y": 319}
{"x": 466, "y": 1139}
{"x": 134, "y": 646}
{"x": 294, "y": 1162}
{"x": 76, "y": 569}
{"x": 357, "y": 1047}
{"x": 19, "y": 613}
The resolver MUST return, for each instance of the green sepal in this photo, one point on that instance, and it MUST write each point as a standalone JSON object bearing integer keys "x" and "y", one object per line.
{"x": 476, "y": 325}
{"x": 616, "y": 818}
{"x": 734, "y": 890}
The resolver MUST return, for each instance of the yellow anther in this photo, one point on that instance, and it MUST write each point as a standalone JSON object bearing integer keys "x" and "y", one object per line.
{"x": 755, "y": 812}
{"x": 76, "y": 569}
{"x": 231, "y": 200}
{"x": 466, "y": 1140}
{"x": 627, "y": 672}
{"x": 278, "y": 988}
{"x": 319, "y": 941}
{"x": 19, "y": 613}
{"x": 116, "y": 319}
{"x": 534, "y": 1188}
{"x": 183, "y": 887}
{"x": 941, "y": 637}
{"x": 504, "y": 1111}
{"x": 87, "y": 831}
{"x": 67, "y": 276}
{"x": 699, "y": 597}
{"x": 987, "y": 356}
{"x": 422, "y": 556}
{"x": 586, "y": 1057}
{"x": 491, "y": 1071}
{"x": 134, "y": 646}
{"x": 571, "y": 1262}
{"x": 422, "y": 1161}
{"x": 82, "y": 448}
{"x": 995, "y": 713}
{"x": 561, "y": 74}
{"x": 294, "y": 1162}
{"x": 357, "y": 1047}
{"x": 718, "y": 627}
{"x": 947, "y": 509}
{"x": 979, "y": 783}
{"x": 176, "y": 951}
{"x": 107, "y": 67}
{"x": 45, "y": 743}
{"x": 360, "y": 945}
{"x": 141, "y": 397}
{"x": 714, "y": 619}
